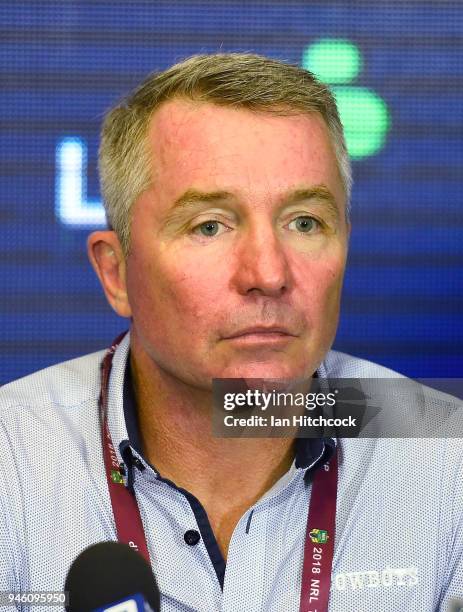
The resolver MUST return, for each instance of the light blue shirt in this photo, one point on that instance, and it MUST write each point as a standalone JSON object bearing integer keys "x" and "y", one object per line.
{"x": 399, "y": 521}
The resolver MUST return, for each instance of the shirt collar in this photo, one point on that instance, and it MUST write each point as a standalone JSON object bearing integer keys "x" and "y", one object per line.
{"x": 130, "y": 410}
{"x": 310, "y": 452}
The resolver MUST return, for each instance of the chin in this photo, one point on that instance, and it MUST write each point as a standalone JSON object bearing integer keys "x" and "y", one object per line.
{"x": 269, "y": 371}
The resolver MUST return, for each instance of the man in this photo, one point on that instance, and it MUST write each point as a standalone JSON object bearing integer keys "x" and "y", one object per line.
{"x": 226, "y": 184}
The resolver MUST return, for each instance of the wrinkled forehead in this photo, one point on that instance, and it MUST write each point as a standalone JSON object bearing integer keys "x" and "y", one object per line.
{"x": 256, "y": 154}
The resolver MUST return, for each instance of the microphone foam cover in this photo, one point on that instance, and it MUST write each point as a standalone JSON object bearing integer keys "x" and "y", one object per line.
{"x": 106, "y": 573}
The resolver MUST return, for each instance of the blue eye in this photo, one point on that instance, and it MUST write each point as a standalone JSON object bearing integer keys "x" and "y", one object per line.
{"x": 304, "y": 224}
{"x": 209, "y": 228}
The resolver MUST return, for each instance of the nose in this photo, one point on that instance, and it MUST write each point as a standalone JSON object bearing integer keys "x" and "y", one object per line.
{"x": 261, "y": 264}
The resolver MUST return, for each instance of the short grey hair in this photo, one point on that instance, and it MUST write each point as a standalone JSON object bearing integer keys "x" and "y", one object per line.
{"x": 240, "y": 80}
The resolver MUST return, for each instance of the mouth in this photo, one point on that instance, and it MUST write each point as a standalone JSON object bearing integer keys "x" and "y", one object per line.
{"x": 261, "y": 335}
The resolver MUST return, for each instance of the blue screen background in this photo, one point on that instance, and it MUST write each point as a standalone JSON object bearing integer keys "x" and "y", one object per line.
{"x": 62, "y": 64}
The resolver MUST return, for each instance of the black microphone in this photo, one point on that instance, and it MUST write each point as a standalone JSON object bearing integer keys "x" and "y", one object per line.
{"x": 108, "y": 573}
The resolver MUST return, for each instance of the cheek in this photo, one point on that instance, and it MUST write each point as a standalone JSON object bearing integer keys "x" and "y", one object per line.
{"x": 168, "y": 291}
{"x": 193, "y": 296}
{"x": 320, "y": 281}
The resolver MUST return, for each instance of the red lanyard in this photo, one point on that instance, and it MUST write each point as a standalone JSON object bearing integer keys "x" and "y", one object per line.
{"x": 129, "y": 526}
{"x": 319, "y": 539}
{"x": 320, "y": 530}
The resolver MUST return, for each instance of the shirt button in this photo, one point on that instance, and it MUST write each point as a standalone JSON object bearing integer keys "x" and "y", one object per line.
{"x": 138, "y": 464}
{"x": 191, "y": 537}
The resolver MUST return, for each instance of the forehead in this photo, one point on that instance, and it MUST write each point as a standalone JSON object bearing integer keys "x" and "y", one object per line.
{"x": 206, "y": 146}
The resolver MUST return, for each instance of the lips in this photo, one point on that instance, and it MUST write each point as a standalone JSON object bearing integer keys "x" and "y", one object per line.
{"x": 261, "y": 330}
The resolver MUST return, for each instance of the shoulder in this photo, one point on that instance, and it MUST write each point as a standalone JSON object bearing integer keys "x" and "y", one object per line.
{"x": 341, "y": 365}
{"x": 68, "y": 384}
{"x": 50, "y": 467}
{"x": 398, "y": 407}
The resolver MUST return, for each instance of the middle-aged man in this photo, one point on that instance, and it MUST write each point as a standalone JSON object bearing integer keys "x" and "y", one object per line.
{"x": 226, "y": 184}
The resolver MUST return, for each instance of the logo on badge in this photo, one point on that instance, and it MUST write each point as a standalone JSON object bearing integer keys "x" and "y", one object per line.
{"x": 116, "y": 477}
{"x": 319, "y": 536}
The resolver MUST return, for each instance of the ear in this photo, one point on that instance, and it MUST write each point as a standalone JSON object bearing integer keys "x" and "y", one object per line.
{"x": 108, "y": 261}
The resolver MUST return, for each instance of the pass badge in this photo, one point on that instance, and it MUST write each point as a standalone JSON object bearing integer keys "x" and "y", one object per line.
{"x": 319, "y": 536}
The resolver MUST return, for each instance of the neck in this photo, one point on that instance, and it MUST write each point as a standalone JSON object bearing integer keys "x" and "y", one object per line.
{"x": 227, "y": 475}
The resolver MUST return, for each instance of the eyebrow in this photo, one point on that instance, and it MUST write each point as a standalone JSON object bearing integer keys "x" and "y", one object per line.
{"x": 317, "y": 192}
{"x": 193, "y": 198}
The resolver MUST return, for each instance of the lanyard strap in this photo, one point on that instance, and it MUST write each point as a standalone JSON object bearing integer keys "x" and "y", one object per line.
{"x": 319, "y": 539}
{"x": 320, "y": 531}
{"x": 127, "y": 517}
